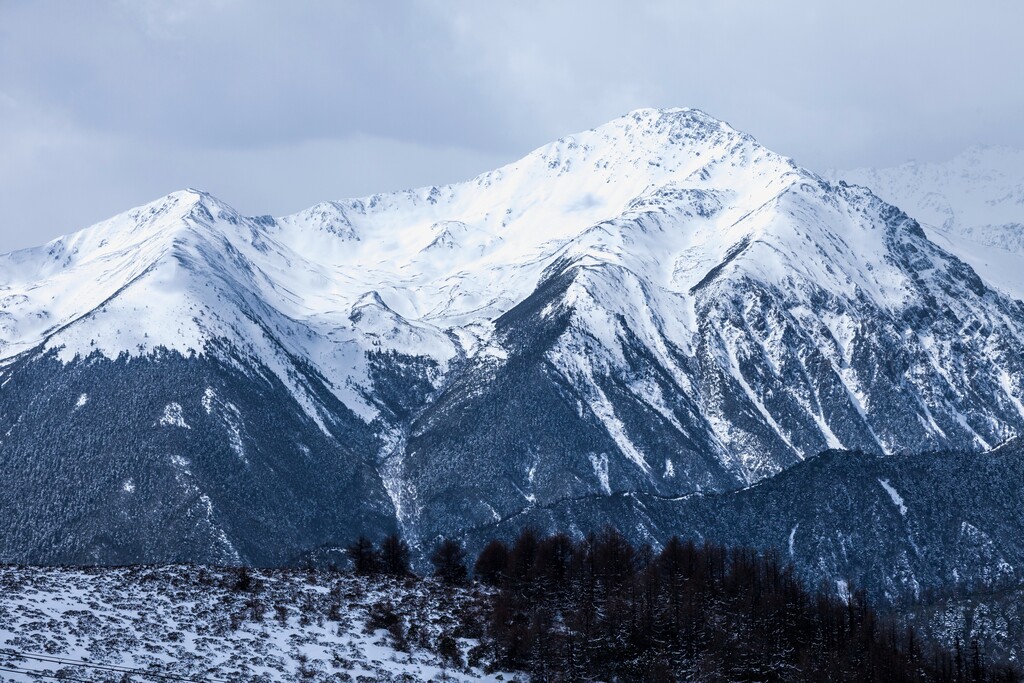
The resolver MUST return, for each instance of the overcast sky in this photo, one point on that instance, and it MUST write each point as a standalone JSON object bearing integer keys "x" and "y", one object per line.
{"x": 273, "y": 106}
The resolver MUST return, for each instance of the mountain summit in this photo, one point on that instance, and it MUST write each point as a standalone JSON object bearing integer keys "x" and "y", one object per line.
{"x": 659, "y": 305}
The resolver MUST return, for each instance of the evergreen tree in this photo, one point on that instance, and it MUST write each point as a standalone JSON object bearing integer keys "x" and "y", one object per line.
{"x": 394, "y": 556}
{"x": 449, "y": 560}
{"x": 363, "y": 556}
{"x": 493, "y": 563}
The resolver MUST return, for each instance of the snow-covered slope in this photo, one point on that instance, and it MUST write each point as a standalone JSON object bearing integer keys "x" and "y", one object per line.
{"x": 389, "y": 271}
{"x": 660, "y": 304}
{"x": 971, "y": 205}
{"x": 196, "y": 623}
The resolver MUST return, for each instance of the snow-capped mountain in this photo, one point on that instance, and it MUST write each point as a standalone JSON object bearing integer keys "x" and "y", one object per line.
{"x": 659, "y": 305}
{"x": 971, "y": 205}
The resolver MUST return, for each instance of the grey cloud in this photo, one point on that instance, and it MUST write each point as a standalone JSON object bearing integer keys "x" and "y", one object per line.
{"x": 243, "y": 74}
{"x": 104, "y": 105}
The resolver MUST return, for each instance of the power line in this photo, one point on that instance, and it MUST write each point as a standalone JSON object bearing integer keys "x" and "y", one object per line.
{"x": 112, "y": 668}
{"x": 39, "y": 674}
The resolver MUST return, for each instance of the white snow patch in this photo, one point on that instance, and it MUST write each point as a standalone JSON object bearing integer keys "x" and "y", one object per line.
{"x": 962, "y": 421}
{"x": 733, "y": 367}
{"x": 896, "y": 498}
{"x": 843, "y": 588}
{"x": 1007, "y": 384}
{"x": 228, "y": 546}
{"x": 82, "y": 400}
{"x": 602, "y": 407}
{"x": 128, "y": 486}
{"x": 173, "y": 416}
{"x": 670, "y": 469}
{"x": 208, "y": 397}
{"x": 792, "y": 539}
{"x": 600, "y": 465}
{"x": 233, "y": 421}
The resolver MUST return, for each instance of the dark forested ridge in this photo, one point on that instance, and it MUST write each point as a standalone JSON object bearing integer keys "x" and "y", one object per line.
{"x": 601, "y": 608}
{"x": 901, "y": 525}
{"x": 125, "y": 479}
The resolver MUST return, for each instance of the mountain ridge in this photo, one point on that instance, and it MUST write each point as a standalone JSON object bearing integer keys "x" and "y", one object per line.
{"x": 658, "y": 306}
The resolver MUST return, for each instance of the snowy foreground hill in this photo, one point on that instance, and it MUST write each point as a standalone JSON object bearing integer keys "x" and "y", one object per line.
{"x": 575, "y": 621}
{"x": 194, "y": 623}
{"x": 658, "y": 307}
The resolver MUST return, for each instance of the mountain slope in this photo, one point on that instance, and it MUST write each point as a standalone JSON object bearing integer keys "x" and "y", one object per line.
{"x": 660, "y": 305}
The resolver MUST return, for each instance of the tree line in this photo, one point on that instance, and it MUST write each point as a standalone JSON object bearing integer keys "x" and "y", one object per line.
{"x": 600, "y": 608}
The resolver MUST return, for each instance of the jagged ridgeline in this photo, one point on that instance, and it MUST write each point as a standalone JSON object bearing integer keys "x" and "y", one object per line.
{"x": 654, "y": 309}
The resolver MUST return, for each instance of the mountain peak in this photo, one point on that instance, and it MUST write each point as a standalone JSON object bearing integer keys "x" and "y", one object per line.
{"x": 642, "y": 149}
{"x": 674, "y": 125}
{"x": 203, "y": 206}
{"x": 674, "y": 115}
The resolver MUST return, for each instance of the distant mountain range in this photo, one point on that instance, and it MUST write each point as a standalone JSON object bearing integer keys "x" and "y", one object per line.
{"x": 623, "y": 322}
{"x": 971, "y": 205}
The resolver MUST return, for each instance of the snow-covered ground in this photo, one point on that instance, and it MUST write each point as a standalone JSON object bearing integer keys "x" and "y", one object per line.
{"x": 197, "y": 624}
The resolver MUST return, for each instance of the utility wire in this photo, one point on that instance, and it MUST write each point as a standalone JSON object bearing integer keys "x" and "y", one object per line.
{"x": 41, "y": 674}
{"x": 112, "y": 668}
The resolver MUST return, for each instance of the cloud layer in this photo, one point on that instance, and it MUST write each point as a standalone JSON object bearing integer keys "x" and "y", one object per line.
{"x": 274, "y": 106}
